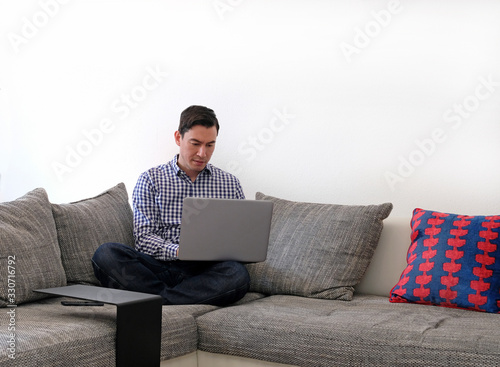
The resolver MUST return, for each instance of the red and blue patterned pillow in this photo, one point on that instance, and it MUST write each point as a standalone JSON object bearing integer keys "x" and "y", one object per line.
{"x": 453, "y": 261}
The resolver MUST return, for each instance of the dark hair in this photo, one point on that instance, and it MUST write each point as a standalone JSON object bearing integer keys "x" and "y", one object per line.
{"x": 197, "y": 115}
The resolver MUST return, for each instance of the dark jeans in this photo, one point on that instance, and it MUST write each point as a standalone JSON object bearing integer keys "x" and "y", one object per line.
{"x": 178, "y": 282}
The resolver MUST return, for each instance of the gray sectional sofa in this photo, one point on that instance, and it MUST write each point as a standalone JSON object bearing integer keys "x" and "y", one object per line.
{"x": 320, "y": 299}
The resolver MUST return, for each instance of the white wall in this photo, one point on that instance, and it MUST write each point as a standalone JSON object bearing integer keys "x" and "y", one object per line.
{"x": 351, "y": 102}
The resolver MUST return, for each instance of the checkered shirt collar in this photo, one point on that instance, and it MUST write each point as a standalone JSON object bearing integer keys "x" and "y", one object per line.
{"x": 175, "y": 167}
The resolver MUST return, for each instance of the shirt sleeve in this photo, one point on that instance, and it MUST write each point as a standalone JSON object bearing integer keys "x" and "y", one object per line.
{"x": 147, "y": 223}
{"x": 239, "y": 190}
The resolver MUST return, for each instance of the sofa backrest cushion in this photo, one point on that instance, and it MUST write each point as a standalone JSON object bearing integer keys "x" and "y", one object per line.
{"x": 30, "y": 257}
{"x": 84, "y": 225}
{"x": 318, "y": 250}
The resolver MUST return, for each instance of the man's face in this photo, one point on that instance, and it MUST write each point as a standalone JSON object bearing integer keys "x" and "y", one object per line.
{"x": 196, "y": 149}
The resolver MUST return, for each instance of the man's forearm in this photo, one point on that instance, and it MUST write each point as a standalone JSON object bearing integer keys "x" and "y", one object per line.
{"x": 157, "y": 247}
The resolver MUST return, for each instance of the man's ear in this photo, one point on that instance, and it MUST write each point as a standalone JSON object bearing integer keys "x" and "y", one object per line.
{"x": 177, "y": 137}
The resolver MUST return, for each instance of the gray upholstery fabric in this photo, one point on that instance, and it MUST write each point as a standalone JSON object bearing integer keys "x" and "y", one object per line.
{"x": 49, "y": 334}
{"x": 84, "y": 225}
{"x": 28, "y": 233}
{"x": 368, "y": 331}
{"x": 179, "y": 334}
{"x": 318, "y": 250}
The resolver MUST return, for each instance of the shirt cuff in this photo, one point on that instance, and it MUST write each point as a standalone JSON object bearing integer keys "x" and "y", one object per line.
{"x": 170, "y": 252}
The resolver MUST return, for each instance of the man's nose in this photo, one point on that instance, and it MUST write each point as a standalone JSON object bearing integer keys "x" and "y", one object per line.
{"x": 202, "y": 151}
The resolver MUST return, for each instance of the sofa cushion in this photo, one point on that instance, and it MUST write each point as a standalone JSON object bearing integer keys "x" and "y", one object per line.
{"x": 318, "y": 250}
{"x": 368, "y": 331}
{"x": 84, "y": 225}
{"x": 30, "y": 256}
{"x": 49, "y": 334}
{"x": 453, "y": 261}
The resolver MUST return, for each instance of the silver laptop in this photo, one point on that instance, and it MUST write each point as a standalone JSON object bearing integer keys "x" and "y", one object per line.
{"x": 225, "y": 229}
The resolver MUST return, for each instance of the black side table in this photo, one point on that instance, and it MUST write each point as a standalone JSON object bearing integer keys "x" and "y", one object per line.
{"x": 138, "y": 321}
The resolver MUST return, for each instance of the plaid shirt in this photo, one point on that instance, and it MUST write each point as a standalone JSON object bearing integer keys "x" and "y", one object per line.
{"x": 157, "y": 201}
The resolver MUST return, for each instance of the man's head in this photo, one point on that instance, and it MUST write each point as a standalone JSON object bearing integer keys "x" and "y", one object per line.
{"x": 197, "y": 115}
{"x": 196, "y": 136}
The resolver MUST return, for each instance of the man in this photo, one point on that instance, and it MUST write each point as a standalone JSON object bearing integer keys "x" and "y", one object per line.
{"x": 153, "y": 267}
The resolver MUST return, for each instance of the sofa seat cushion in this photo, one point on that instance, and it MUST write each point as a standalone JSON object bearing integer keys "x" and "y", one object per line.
{"x": 368, "y": 331}
{"x": 49, "y": 334}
